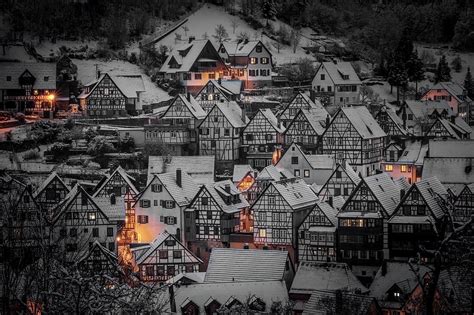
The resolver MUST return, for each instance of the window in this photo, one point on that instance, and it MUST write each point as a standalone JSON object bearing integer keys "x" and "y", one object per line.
{"x": 73, "y": 232}
{"x": 271, "y": 200}
{"x": 155, "y": 203}
{"x": 95, "y": 232}
{"x": 204, "y": 201}
{"x": 110, "y": 231}
{"x": 388, "y": 167}
{"x": 145, "y": 203}
{"x": 404, "y": 168}
{"x": 186, "y": 76}
{"x": 264, "y": 60}
{"x": 9, "y": 78}
{"x": 306, "y": 173}
{"x": 294, "y": 160}
{"x": 253, "y": 60}
{"x": 197, "y": 76}
{"x": 262, "y": 233}
{"x": 249, "y": 137}
{"x": 142, "y": 219}
{"x": 213, "y": 143}
{"x": 177, "y": 254}
{"x": 170, "y": 270}
{"x": 216, "y": 230}
{"x": 112, "y": 246}
{"x": 258, "y": 48}
{"x": 323, "y": 77}
{"x": 268, "y": 137}
{"x": 149, "y": 271}
{"x": 91, "y": 216}
{"x": 212, "y": 76}
{"x": 297, "y": 173}
{"x": 156, "y": 188}
{"x": 163, "y": 254}
{"x": 206, "y": 230}
{"x": 106, "y": 91}
{"x": 226, "y": 132}
{"x": 209, "y": 214}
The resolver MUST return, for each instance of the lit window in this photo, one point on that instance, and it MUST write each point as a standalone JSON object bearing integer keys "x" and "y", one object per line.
{"x": 262, "y": 233}
{"x": 396, "y": 294}
{"x": 91, "y": 216}
{"x": 306, "y": 173}
{"x": 264, "y": 60}
{"x": 253, "y": 60}
{"x": 388, "y": 167}
{"x": 404, "y": 168}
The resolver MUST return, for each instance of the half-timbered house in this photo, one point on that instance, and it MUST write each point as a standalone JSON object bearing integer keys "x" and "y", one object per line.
{"x": 306, "y": 129}
{"x": 312, "y": 168}
{"x": 417, "y": 218}
{"x": 216, "y": 90}
{"x": 454, "y": 128}
{"x": 214, "y": 213}
{"x": 464, "y": 205}
{"x": 160, "y": 206}
{"x": 219, "y": 132}
{"x": 317, "y": 234}
{"x": 363, "y": 227}
{"x": 100, "y": 261}
{"x": 262, "y": 138}
{"x": 177, "y": 128}
{"x": 418, "y": 116}
{"x": 193, "y": 64}
{"x": 248, "y": 61}
{"x": 299, "y": 101}
{"x": 50, "y": 193}
{"x": 278, "y": 212}
{"x": 391, "y": 123}
{"x": 354, "y": 136}
{"x": 112, "y": 96}
{"x": 164, "y": 258}
{"x": 410, "y": 163}
{"x": 120, "y": 185}
{"x": 244, "y": 178}
{"x": 342, "y": 182}
{"x": 80, "y": 221}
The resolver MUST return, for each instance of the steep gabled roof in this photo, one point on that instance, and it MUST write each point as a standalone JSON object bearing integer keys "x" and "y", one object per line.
{"x": 218, "y": 189}
{"x": 243, "y": 48}
{"x": 85, "y": 94}
{"x": 110, "y": 256}
{"x": 127, "y": 178}
{"x": 181, "y": 194}
{"x": 414, "y": 152}
{"x": 227, "y": 87}
{"x": 47, "y": 181}
{"x": 422, "y": 109}
{"x": 192, "y": 105}
{"x": 296, "y": 193}
{"x": 185, "y": 56}
{"x": 240, "y": 171}
{"x": 434, "y": 194}
{"x": 272, "y": 119}
{"x": 455, "y": 89}
{"x": 451, "y": 148}
{"x": 321, "y": 161}
{"x": 325, "y": 276}
{"x": 328, "y": 211}
{"x": 129, "y": 84}
{"x": 233, "y": 113}
{"x": 336, "y": 70}
{"x": 231, "y": 264}
{"x": 365, "y": 124}
{"x": 188, "y": 258}
{"x": 316, "y": 117}
{"x": 38, "y": 70}
{"x": 200, "y": 168}
{"x": 384, "y": 190}
{"x": 272, "y": 173}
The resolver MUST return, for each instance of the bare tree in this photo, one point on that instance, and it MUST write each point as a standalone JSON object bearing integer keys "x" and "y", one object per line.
{"x": 220, "y": 33}
{"x": 295, "y": 38}
{"x": 235, "y": 24}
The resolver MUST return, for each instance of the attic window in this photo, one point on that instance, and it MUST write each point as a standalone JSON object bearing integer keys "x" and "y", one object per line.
{"x": 223, "y": 50}
{"x": 258, "y": 48}
{"x": 46, "y": 78}
{"x": 9, "y": 78}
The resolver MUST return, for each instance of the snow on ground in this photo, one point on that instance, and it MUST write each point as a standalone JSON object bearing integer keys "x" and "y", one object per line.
{"x": 205, "y": 20}
{"x": 49, "y": 49}
{"x": 16, "y": 52}
{"x": 86, "y": 70}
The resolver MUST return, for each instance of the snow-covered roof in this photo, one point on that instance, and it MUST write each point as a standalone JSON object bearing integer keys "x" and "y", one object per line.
{"x": 328, "y": 211}
{"x": 434, "y": 194}
{"x": 455, "y": 89}
{"x": 400, "y": 273}
{"x": 218, "y": 190}
{"x": 326, "y": 302}
{"x": 44, "y": 74}
{"x": 240, "y": 170}
{"x": 232, "y": 111}
{"x": 402, "y": 183}
{"x": 296, "y": 193}
{"x": 203, "y": 294}
{"x": 317, "y": 118}
{"x": 241, "y": 49}
{"x": 452, "y": 172}
{"x": 183, "y": 57}
{"x": 385, "y": 190}
{"x": 414, "y": 152}
{"x": 193, "y": 106}
{"x": 188, "y": 257}
{"x": 272, "y": 173}
{"x": 181, "y": 194}
{"x": 116, "y": 211}
{"x": 52, "y": 176}
{"x": 365, "y": 124}
{"x": 422, "y": 109}
{"x": 129, "y": 84}
{"x": 188, "y": 277}
{"x": 451, "y": 148}
{"x": 326, "y": 276}
{"x": 272, "y": 119}
{"x": 228, "y": 87}
{"x": 338, "y": 70}
{"x": 231, "y": 264}
{"x": 200, "y": 168}
{"x": 111, "y": 256}
{"x": 127, "y": 178}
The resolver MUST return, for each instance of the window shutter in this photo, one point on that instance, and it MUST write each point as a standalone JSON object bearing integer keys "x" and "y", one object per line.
{"x": 166, "y": 220}
{"x": 162, "y": 203}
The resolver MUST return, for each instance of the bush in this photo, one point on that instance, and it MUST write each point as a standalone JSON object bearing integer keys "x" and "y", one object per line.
{"x": 31, "y": 155}
{"x": 20, "y": 117}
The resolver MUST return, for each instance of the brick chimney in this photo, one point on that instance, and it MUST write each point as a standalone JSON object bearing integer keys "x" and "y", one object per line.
{"x": 179, "y": 180}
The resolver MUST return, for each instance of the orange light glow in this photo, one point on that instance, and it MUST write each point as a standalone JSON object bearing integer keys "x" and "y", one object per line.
{"x": 51, "y": 97}
{"x": 276, "y": 155}
{"x": 246, "y": 183}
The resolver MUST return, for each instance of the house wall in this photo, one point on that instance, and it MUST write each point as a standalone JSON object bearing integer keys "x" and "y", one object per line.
{"x": 395, "y": 171}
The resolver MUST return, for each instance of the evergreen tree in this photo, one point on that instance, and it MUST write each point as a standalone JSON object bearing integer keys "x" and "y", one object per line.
{"x": 457, "y": 64}
{"x": 469, "y": 83}
{"x": 415, "y": 69}
{"x": 398, "y": 77}
{"x": 404, "y": 50}
{"x": 268, "y": 10}
{"x": 443, "y": 72}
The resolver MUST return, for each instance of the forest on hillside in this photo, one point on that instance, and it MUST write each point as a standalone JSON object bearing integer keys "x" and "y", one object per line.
{"x": 372, "y": 28}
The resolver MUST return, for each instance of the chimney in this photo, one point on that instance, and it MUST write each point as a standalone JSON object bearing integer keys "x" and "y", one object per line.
{"x": 113, "y": 199}
{"x": 244, "y": 117}
{"x": 453, "y": 119}
{"x": 188, "y": 96}
{"x": 179, "y": 177}
{"x": 227, "y": 188}
{"x": 172, "y": 299}
{"x": 402, "y": 194}
{"x": 219, "y": 81}
{"x": 328, "y": 120}
{"x": 312, "y": 95}
{"x": 384, "y": 268}
{"x": 334, "y": 61}
{"x": 330, "y": 201}
{"x": 190, "y": 39}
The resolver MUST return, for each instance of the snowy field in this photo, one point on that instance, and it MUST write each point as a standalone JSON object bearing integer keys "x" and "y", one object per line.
{"x": 205, "y": 20}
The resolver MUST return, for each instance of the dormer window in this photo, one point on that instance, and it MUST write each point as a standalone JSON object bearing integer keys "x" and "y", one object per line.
{"x": 258, "y": 48}
{"x": 223, "y": 50}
